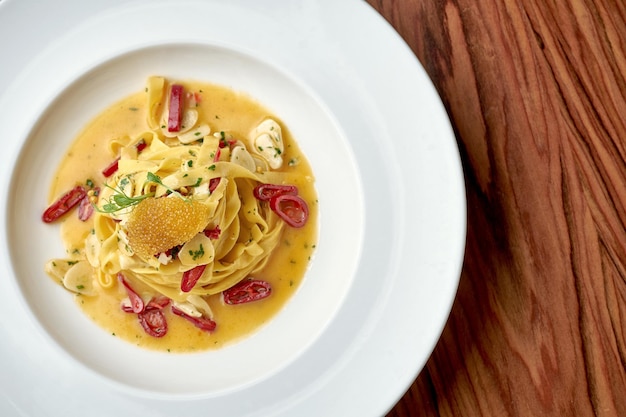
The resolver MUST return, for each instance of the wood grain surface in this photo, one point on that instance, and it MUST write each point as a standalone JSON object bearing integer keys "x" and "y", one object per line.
{"x": 536, "y": 92}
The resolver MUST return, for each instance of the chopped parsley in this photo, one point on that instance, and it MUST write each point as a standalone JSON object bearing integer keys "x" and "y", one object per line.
{"x": 195, "y": 255}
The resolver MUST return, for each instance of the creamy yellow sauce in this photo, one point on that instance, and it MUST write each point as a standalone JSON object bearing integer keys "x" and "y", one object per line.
{"x": 225, "y": 110}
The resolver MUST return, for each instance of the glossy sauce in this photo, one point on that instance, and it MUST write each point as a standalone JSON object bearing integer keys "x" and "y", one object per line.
{"x": 224, "y": 110}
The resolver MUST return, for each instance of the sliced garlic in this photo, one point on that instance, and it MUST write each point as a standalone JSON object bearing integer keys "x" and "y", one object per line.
{"x": 195, "y": 134}
{"x": 164, "y": 258}
{"x": 126, "y": 304}
{"x": 79, "y": 278}
{"x": 197, "y": 251}
{"x": 57, "y": 268}
{"x": 200, "y": 304}
{"x": 268, "y": 142}
{"x": 242, "y": 157}
{"x": 201, "y": 192}
{"x": 187, "y": 308}
{"x": 261, "y": 163}
{"x": 195, "y": 306}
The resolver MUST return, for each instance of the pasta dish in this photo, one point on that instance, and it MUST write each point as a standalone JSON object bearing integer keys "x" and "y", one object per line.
{"x": 188, "y": 212}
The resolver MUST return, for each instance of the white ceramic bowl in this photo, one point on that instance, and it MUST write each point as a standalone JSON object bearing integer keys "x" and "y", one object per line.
{"x": 392, "y": 210}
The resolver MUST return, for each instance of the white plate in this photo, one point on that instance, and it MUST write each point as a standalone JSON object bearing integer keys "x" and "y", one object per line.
{"x": 392, "y": 211}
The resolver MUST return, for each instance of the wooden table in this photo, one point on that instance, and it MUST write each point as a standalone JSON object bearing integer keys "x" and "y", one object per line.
{"x": 536, "y": 92}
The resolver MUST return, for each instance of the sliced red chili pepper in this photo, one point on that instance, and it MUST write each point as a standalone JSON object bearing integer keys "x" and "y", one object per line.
{"x": 213, "y": 233}
{"x": 291, "y": 208}
{"x": 64, "y": 204}
{"x": 111, "y": 168}
{"x": 175, "y": 114}
{"x": 141, "y": 145}
{"x": 85, "y": 208}
{"x": 227, "y": 142}
{"x": 153, "y": 322}
{"x": 191, "y": 277}
{"x": 203, "y": 323}
{"x": 265, "y": 192}
{"x": 136, "y": 301}
{"x": 213, "y": 183}
{"x": 246, "y": 291}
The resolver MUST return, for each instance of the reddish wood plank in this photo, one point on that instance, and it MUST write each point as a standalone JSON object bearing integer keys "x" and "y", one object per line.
{"x": 536, "y": 92}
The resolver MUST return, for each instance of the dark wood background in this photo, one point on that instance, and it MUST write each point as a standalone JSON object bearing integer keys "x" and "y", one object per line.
{"x": 536, "y": 92}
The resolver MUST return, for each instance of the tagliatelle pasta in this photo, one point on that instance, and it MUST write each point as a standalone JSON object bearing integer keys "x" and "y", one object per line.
{"x": 249, "y": 231}
{"x": 174, "y": 216}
